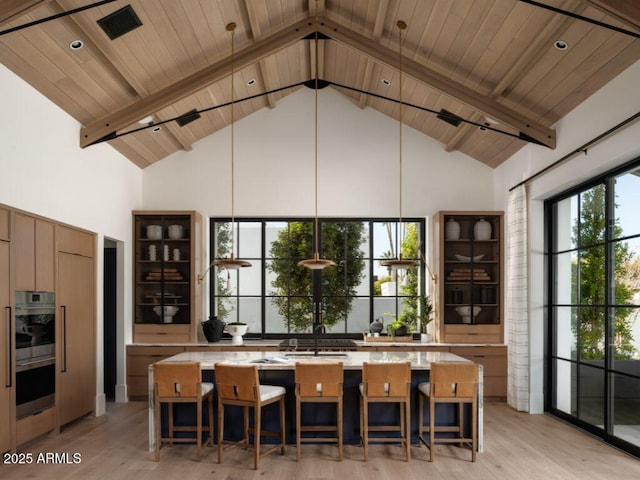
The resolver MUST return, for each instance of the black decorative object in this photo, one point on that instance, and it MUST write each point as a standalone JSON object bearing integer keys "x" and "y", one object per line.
{"x": 212, "y": 329}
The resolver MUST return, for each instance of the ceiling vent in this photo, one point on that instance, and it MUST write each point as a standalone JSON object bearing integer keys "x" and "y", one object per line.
{"x": 120, "y": 22}
{"x": 188, "y": 117}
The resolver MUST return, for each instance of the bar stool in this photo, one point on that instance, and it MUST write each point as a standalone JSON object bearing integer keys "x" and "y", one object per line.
{"x": 181, "y": 383}
{"x": 455, "y": 383}
{"x": 239, "y": 385}
{"x": 319, "y": 383}
{"x": 386, "y": 383}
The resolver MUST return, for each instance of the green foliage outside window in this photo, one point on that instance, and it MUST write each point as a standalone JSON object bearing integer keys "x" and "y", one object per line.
{"x": 591, "y": 230}
{"x": 341, "y": 242}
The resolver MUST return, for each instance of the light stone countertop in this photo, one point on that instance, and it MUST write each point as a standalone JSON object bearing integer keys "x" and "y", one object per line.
{"x": 287, "y": 361}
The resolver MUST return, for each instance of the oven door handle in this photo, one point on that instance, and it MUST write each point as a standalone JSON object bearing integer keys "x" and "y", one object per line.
{"x": 9, "y": 354}
{"x": 29, "y": 365}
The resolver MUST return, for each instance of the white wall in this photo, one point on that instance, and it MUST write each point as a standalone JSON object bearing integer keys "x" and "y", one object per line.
{"x": 43, "y": 171}
{"x": 611, "y": 105}
{"x": 358, "y": 154}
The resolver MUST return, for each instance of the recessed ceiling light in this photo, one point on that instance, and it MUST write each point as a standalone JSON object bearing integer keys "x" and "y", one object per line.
{"x": 156, "y": 129}
{"x": 251, "y": 81}
{"x": 386, "y": 82}
{"x": 76, "y": 45}
{"x": 561, "y": 44}
{"x": 146, "y": 120}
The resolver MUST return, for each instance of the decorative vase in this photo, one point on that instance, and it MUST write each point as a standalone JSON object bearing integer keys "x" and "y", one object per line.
{"x": 425, "y": 338}
{"x": 452, "y": 230}
{"x": 377, "y": 325}
{"x": 212, "y": 329}
{"x": 237, "y": 331}
{"x": 400, "y": 331}
{"x": 482, "y": 230}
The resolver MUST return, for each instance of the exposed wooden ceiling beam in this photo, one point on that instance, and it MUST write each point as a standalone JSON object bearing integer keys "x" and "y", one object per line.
{"x": 256, "y": 32}
{"x": 378, "y": 28}
{"x": 120, "y": 70}
{"x": 124, "y": 117}
{"x": 533, "y": 129}
{"x": 521, "y": 67}
{"x": 624, "y": 10}
{"x": 316, "y": 7}
{"x": 11, "y": 10}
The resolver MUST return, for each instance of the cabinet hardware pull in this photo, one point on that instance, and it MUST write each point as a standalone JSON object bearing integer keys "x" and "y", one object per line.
{"x": 64, "y": 338}
{"x": 9, "y": 355}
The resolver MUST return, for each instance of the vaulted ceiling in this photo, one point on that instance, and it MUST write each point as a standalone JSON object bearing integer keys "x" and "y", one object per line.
{"x": 484, "y": 65}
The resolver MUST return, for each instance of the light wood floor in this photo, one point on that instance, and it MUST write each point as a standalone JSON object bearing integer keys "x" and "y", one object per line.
{"x": 518, "y": 446}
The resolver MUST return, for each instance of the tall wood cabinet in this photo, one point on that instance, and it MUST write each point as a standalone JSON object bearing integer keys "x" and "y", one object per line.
{"x": 76, "y": 345}
{"x": 469, "y": 260}
{"x": 167, "y": 300}
{"x": 6, "y": 329}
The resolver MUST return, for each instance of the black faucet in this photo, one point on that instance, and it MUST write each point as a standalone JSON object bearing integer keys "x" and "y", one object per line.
{"x": 317, "y": 326}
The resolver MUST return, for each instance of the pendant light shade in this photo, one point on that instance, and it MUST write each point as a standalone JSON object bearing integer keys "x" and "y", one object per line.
{"x": 232, "y": 263}
{"x": 316, "y": 263}
{"x": 400, "y": 263}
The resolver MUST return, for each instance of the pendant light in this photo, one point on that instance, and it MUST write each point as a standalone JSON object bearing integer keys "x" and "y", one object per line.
{"x": 400, "y": 263}
{"x": 232, "y": 263}
{"x": 316, "y": 263}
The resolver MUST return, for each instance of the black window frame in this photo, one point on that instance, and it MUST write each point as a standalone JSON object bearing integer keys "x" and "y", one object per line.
{"x": 263, "y": 221}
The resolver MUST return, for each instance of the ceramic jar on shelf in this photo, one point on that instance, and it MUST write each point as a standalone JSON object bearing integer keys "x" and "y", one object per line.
{"x": 482, "y": 230}
{"x": 452, "y": 230}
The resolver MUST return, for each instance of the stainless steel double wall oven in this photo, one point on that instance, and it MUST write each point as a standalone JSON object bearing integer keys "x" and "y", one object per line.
{"x": 35, "y": 352}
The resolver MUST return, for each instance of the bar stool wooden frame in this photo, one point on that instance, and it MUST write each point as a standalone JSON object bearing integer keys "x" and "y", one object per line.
{"x": 386, "y": 383}
{"x": 319, "y": 383}
{"x": 239, "y": 385}
{"x": 450, "y": 383}
{"x": 181, "y": 382}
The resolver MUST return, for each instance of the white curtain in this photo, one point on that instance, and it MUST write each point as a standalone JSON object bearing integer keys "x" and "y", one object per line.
{"x": 518, "y": 300}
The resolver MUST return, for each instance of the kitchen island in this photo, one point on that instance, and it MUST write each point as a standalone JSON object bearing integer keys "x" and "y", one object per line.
{"x": 277, "y": 368}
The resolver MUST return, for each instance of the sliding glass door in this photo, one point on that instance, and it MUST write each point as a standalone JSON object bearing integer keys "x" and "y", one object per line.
{"x": 594, "y": 292}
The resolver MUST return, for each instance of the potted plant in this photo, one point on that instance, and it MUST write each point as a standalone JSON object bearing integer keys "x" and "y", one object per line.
{"x": 398, "y": 327}
{"x": 425, "y": 315}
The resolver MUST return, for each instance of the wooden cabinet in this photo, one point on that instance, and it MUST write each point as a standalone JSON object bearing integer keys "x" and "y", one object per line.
{"x": 494, "y": 362}
{"x": 6, "y": 351}
{"x": 71, "y": 240}
{"x": 167, "y": 300}
{"x": 469, "y": 259}
{"x": 5, "y": 231}
{"x": 138, "y": 360}
{"x": 75, "y": 337}
{"x": 34, "y": 253}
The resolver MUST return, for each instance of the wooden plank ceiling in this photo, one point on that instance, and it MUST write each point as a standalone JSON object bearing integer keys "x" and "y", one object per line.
{"x": 487, "y": 61}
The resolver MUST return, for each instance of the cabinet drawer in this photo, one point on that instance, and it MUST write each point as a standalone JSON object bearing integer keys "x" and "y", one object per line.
{"x": 157, "y": 333}
{"x": 148, "y": 351}
{"x": 484, "y": 351}
{"x": 493, "y": 366}
{"x": 472, "y": 333}
{"x": 31, "y": 427}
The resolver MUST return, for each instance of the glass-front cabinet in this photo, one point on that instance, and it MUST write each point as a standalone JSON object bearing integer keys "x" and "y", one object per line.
{"x": 165, "y": 254}
{"x": 469, "y": 256}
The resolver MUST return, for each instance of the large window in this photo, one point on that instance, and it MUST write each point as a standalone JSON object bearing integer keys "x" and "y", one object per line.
{"x": 594, "y": 265}
{"x": 276, "y": 296}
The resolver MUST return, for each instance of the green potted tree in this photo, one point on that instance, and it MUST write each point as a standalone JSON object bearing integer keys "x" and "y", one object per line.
{"x": 425, "y": 315}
